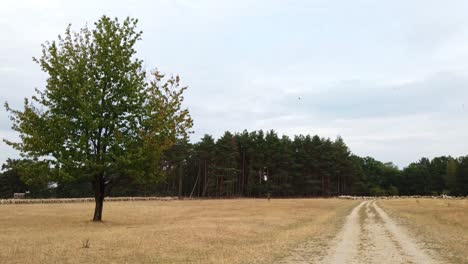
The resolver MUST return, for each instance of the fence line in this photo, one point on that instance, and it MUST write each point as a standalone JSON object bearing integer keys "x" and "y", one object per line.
{"x": 83, "y": 200}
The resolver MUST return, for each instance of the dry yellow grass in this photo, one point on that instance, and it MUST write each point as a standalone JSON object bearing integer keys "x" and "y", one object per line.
{"x": 441, "y": 223}
{"x": 195, "y": 231}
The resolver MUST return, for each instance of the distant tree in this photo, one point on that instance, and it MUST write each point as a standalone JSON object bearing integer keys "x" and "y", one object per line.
{"x": 226, "y": 166}
{"x": 283, "y": 175}
{"x": 358, "y": 186}
{"x": 255, "y": 186}
{"x": 417, "y": 178}
{"x": 462, "y": 179}
{"x": 390, "y": 177}
{"x": 175, "y": 165}
{"x": 10, "y": 179}
{"x": 438, "y": 170}
{"x": 206, "y": 156}
{"x": 273, "y": 162}
{"x": 450, "y": 177}
{"x": 97, "y": 117}
{"x": 20, "y": 175}
{"x": 342, "y": 166}
{"x": 245, "y": 147}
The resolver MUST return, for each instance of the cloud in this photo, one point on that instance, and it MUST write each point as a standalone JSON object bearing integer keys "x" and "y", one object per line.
{"x": 387, "y": 76}
{"x": 358, "y": 98}
{"x": 397, "y": 122}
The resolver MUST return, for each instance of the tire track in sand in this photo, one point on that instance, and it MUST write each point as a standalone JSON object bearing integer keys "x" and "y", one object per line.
{"x": 344, "y": 247}
{"x": 414, "y": 251}
{"x": 376, "y": 245}
{"x": 368, "y": 235}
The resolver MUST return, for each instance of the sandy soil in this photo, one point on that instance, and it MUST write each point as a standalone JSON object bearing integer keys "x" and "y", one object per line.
{"x": 368, "y": 235}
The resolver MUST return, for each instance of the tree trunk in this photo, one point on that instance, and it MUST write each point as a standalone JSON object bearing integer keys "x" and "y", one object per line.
{"x": 205, "y": 182}
{"x": 243, "y": 173}
{"x": 99, "y": 188}
{"x": 196, "y": 182}
{"x": 180, "y": 180}
{"x": 339, "y": 185}
{"x": 323, "y": 186}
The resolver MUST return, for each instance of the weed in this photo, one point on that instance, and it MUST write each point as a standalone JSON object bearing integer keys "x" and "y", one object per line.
{"x": 85, "y": 243}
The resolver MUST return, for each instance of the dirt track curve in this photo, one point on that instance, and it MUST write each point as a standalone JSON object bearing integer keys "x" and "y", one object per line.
{"x": 368, "y": 235}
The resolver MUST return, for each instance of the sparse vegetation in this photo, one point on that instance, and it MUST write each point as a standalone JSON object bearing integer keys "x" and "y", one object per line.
{"x": 441, "y": 224}
{"x": 193, "y": 231}
{"x": 86, "y": 243}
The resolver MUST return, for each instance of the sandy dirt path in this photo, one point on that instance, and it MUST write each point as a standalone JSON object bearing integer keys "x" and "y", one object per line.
{"x": 368, "y": 235}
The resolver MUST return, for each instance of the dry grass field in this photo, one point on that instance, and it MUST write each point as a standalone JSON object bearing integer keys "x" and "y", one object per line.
{"x": 440, "y": 223}
{"x": 191, "y": 231}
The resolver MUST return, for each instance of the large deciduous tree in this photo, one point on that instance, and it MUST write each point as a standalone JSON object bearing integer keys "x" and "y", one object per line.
{"x": 100, "y": 116}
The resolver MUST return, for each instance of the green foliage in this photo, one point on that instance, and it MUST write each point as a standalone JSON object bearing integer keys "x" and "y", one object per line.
{"x": 98, "y": 118}
{"x": 450, "y": 177}
{"x": 237, "y": 164}
{"x": 306, "y": 166}
{"x": 462, "y": 179}
{"x": 10, "y": 180}
{"x": 25, "y": 175}
{"x": 392, "y": 191}
{"x": 377, "y": 191}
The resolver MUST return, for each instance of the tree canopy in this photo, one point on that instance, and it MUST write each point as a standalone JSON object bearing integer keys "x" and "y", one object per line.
{"x": 100, "y": 117}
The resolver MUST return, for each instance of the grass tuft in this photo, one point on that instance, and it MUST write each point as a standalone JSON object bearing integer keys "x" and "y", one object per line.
{"x": 85, "y": 243}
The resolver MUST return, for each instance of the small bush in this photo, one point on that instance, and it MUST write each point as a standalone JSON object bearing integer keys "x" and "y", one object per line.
{"x": 85, "y": 243}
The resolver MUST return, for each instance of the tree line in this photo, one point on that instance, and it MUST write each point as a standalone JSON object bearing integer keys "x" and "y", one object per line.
{"x": 261, "y": 164}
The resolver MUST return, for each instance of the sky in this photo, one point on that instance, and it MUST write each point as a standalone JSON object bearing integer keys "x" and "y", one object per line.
{"x": 389, "y": 77}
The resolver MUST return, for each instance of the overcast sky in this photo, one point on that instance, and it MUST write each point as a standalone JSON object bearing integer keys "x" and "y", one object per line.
{"x": 390, "y": 77}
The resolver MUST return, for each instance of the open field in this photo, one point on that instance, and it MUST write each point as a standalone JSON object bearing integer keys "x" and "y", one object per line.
{"x": 442, "y": 224}
{"x": 193, "y": 231}
{"x": 280, "y": 231}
